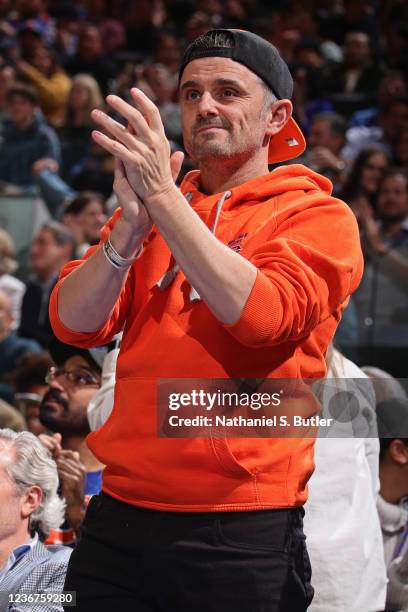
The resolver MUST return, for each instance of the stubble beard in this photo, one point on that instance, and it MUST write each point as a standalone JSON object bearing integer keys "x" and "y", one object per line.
{"x": 227, "y": 150}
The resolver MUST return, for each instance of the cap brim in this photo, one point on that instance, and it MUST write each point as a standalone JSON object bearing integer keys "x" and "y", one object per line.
{"x": 286, "y": 144}
{"x": 61, "y": 352}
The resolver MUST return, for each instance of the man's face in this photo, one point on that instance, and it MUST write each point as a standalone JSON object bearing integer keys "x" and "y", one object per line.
{"x": 89, "y": 43}
{"x": 46, "y": 254}
{"x": 356, "y": 49}
{"x": 6, "y": 318}
{"x": 64, "y": 407}
{"x": 394, "y": 119}
{"x": 91, "y": 220}
{"x": 222, "y": 105}
{"x": 392, "y": 203}
{"x": 20, "y": 110}
{"x": 10, "y": 500}
{"x": 372, "y": 171}
{"x": 320, "y": 134}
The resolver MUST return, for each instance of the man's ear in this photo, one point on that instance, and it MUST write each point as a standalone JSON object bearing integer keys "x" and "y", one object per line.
{"x": 398, "y": 452}
{"x": 278, "y": 115}
{"x": 31, "y": 499}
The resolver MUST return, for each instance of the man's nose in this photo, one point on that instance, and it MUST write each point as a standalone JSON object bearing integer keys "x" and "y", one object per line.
{"x": 57, "y": 383}
{"x": 207, "y": 105}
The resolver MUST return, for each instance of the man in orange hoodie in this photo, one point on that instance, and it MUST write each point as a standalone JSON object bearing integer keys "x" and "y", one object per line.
{"x": 240, "y": 273}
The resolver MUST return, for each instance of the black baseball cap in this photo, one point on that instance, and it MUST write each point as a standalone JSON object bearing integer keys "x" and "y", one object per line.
{"x": 262, "y": 58}
{"x": 61, "y": 352}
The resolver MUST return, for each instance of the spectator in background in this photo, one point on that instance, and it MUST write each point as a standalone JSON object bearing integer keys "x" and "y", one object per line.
{"x": 11, "y": 285}
{"x": 67, "y": 18}
{"x": 28, "y": 39}
{"x": 357, "y": 74}
{"x": 361, "y": 186}
{"x": 91, "y": 58}
{"x": 392, "y": 417}
{"x": 308, "y": 56}
{"x": 326, "y": 140}
{"x": 96, "y": 171}
{"x": 50, "y": 81}
{"x": 12, "y": 348}
{"x": 30, "y": 386}
{"x": 340, "y": 513}
{"x": 382, "y": 297}
{"x": 25, "y": 139}
{"x": 401, "y": 149}
{"x": 85, "y": 215}
{"x": 113, "y": 33}
{"x": 391, "y": 86}
{"x": 393, "y": 118}
{"x": 72, "y": 385}
{"x": 29, "y": 508}
{"x": 34, "y": 14}
{"x": 164, "y": 86}
{"x": 167, "y": 52}
{"x": 75, "y": 134}
{"x": 360, "y": 193}
{"x": 143, "y": 24}
{"x": 355, "y": 15}
{"x": 52, "y": 247}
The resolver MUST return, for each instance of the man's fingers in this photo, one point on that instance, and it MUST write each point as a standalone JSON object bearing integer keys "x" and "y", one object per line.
{"x": 120, "y": 174}
{"x": 49, "y": 442}
{"x": 119, "y": 131}
{"x": 114, "y": 147}
{"x": 71, "y": 461}
{"x": 149, "y": 110}
{"x": 133, "y": 115}
{"x": 176, "y": 161}
{"x": 119, "y": 169}
{"x": 65, "y": 476}
{"x": 70, "y": 468}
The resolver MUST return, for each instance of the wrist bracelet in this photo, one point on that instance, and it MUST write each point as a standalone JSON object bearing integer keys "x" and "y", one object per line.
{"x": 116, "y": 260}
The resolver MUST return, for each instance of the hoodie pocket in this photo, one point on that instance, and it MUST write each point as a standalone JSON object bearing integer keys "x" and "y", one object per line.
{"x": 227, "y": 459}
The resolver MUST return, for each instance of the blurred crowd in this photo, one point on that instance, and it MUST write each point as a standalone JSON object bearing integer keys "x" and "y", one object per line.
{"x": 59, "y": 60}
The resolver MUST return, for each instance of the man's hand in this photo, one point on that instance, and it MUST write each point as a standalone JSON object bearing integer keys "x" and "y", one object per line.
{"x": 72, "y": 474}
{"x": 143, "y": 148}
{"x": 133, "y": 210}
{"x": 52, "y": 443}
{"x": 324, "y": 158}
{"x": 43, "y": 164}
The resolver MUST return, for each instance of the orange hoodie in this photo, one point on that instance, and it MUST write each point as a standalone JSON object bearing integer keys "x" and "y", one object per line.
{"x": 306, "y": 247}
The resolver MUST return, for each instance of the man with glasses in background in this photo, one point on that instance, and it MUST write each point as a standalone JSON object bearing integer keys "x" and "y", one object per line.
{"x": 73, "y": 382}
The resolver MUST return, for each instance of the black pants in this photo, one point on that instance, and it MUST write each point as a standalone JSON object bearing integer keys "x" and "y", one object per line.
{"x": 131, "y": 558}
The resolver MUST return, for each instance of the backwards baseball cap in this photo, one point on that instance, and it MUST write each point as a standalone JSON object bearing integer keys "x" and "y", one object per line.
{"x": 264, "y": 60}
{"x": 61, "y": 352}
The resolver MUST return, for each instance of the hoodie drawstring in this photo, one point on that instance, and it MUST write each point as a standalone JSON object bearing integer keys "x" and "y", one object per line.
{"x": 171, "y": 274}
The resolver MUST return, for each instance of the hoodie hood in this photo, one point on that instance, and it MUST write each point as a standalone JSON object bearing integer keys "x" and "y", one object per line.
{"x": 283, "y": 179}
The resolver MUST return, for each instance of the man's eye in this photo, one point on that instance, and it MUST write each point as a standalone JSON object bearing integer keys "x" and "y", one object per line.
{"x": 228, "y": 93}
{"x": 192, "y": 95}
{"x": 82, "y": 379}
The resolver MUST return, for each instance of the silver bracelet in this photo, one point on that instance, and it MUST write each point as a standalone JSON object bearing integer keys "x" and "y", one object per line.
{"x": 116, "y": 260}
